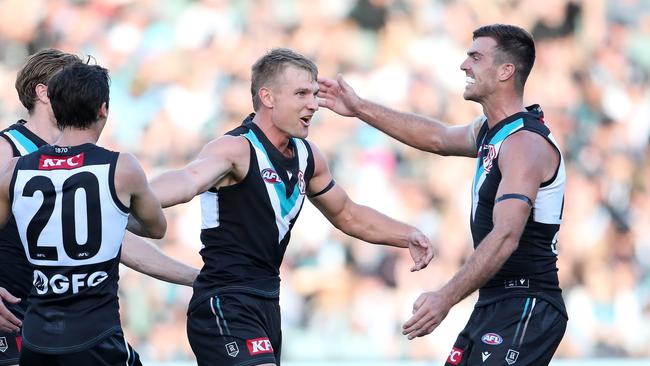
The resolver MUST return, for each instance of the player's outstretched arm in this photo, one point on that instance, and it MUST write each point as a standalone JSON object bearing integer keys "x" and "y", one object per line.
{"x": 145, "y": 257}
{"x": 131, "y": 184}
{"x": 217, "y": 159}
{"x": 526, "y": 160}
{"x": 417, "y": 131}
{"x": 363, "y": 222}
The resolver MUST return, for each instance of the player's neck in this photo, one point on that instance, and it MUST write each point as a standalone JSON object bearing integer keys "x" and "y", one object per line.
{"x": 278, "y": 138}
{"x": 76, "y": 137}
{"x": 497, "y": 109}
{"x": 41, "y": 125}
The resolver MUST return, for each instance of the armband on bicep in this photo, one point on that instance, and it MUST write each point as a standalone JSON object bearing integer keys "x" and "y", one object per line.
{"x": 329, "y": 186}
{"x": 515, "y": 196}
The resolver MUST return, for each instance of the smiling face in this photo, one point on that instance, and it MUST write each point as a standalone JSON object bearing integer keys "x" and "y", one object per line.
{"x": 294, "y": 102}
{"x": 480, "y": 69}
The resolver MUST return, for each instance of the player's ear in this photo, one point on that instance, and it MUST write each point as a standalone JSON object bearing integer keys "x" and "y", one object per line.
{"x": 41, "y": 93}
{"x": 506, "y": 71}
{"x": 266, "y": 97}
{"x": 103, "y": 111}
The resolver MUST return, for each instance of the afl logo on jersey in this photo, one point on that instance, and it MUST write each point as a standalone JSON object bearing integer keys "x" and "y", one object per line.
{"x": 270, "y": 176}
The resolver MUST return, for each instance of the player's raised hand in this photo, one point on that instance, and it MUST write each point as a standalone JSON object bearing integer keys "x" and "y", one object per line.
{"x": 429, "y": 310}
{"x": 421, "y": 250}
{"x": 338, "y": 96}
{"x": 8, "y": 321}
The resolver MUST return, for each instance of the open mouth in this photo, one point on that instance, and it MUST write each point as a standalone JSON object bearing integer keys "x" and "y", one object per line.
{"x": 306, "y": 120}
{"x": 470, "y": 80}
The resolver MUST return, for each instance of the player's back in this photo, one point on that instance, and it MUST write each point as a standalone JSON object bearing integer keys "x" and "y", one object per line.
{"x": 71, "y": 224}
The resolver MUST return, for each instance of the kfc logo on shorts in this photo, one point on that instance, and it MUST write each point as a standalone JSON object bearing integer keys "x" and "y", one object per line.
{"x": 455, "y": 356}
{"x": 270, "y": 176}
{"x": 259, "y": 346}
{"x": 47, "y": 162}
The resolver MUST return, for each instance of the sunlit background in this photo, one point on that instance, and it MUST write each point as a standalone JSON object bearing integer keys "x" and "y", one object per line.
{"x": 180, "y": 74}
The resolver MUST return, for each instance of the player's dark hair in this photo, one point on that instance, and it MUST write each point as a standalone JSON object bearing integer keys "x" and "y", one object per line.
{"x": 515, "y": 45}
{"x": 77, "y": 93}
{"x": 272, "y": 64}
{"x": 39, "y": 69}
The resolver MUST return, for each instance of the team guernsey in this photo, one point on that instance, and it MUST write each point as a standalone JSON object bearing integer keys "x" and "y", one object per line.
{"x": 246, "y": 226}
{"x": 531, "y": 271}
{"x": 71, "y": 225}
{"x": 15, "y": 272}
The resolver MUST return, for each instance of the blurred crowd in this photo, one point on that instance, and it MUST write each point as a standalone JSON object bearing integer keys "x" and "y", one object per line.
{"x": 180, "y": 73}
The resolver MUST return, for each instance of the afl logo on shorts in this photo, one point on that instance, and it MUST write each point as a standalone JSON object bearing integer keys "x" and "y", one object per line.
{"x": 492, "y": 339}
{"x": 270, "y": 176}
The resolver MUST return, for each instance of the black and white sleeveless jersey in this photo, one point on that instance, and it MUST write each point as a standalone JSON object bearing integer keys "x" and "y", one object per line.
{"x": 71, "y": 225}
{"x": 532, "y": 268}
{"x": 15, "y": 271}
{"x": 246, "y": 226}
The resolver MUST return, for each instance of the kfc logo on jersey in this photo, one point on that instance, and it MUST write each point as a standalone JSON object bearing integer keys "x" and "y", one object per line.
{"x": 492, "y": 339}
{"x": 60, "y": 162}
{"x": 455, "y": 356}
{"x": 270, "y": 176}
{"x": 489, "y": 157}
{"x": 259, "y": 346}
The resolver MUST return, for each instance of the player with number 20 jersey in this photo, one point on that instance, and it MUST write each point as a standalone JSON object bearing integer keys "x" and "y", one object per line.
{"x": 71, "y": 225}
{"x": 71, "y": 204}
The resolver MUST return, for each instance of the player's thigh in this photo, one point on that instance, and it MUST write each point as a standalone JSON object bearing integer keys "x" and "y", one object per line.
{"x": 233, "y": 330}
{"x": 114, "y": 350}
{"x": 10, "y": 344}
{"x": 525, "y": 331}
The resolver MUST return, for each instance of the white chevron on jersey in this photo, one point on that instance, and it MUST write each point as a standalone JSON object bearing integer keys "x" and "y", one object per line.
{"x": 277, "y": 197}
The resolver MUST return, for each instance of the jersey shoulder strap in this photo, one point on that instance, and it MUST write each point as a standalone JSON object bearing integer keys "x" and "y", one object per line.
{"x": 22, "y": 140}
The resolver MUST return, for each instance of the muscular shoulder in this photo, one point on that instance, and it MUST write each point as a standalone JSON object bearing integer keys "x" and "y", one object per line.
{"x": 128, "y": 173}
{"x": 234, "y": 151}
{"x": 6, "y": 152}
{"x": 6, "y": 173}
{"x": 226, "y": 146}
{"x": 529, "y": 151}
{"x": 322, "y": 175}
{"x": 319, "y": 159}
